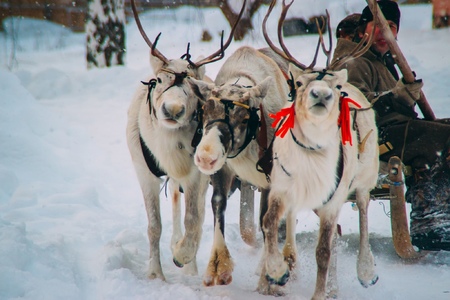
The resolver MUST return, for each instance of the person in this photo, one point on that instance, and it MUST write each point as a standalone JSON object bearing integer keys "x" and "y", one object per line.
{"x": 347, "y": 26}
{"x": 422, "y": 145}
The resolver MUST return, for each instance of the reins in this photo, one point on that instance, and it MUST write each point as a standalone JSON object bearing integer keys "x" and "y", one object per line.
{"x": 151, "y": 85}
{"x": 253, "y": 122}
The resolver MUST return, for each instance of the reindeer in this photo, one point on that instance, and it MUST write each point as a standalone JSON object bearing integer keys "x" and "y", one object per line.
{"x": 161, "y": 125}
{"x": 330, "y": 150}
{"x": 248, "y": 87}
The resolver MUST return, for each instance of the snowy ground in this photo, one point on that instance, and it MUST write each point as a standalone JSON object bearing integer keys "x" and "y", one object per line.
{"x": 72, "y": 221}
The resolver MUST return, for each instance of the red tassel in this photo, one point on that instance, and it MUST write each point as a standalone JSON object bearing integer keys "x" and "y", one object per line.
{"x": 344, "y": 119}
{"x": 289, "y": 113}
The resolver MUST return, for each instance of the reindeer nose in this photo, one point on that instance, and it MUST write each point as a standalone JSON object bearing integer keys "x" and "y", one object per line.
{"x": 321, "y": 94}
{"x": 173, "y": 111}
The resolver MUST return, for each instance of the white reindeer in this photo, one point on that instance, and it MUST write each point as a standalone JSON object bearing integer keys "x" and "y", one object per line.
{"x": 161, "y": 126}
{"x": 330, "y": 150}
{"x": 236, "y": 128}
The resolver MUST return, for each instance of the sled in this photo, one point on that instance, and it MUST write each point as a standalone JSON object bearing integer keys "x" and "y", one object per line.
{"x": 395, "y": 193}
{"x": 399, "y": 221}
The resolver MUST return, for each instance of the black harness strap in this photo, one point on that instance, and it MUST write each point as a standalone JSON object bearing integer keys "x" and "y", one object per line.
{"x": 150, "y": 160}
{"x": 151, "y": 84}
{"x": 339, "y": 172}
{"x": 253, "y": 124}
{"x": 227, "y": 105}
{"x": 281, "y": 165}
{"x": 302, "y": 145}
{"x": 199, "y": 130}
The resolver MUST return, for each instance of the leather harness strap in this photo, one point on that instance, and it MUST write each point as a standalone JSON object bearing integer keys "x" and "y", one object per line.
{"x": 262, "y": 137}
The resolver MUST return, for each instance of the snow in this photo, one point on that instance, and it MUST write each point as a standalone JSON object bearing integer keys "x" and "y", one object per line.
{"x": 72, "y": 218}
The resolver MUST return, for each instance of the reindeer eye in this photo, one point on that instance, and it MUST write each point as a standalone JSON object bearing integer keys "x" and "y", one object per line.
{"x": 159, "y": 80}
{"x": 339, "y": 86}
{"x": 298, "y": 83}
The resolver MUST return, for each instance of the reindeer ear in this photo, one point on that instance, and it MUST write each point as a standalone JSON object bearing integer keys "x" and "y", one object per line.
{"x": 295, "y": 71}
{"x": 200, "y": 87}
{"x": 259, "y": 92}
{"x": 200, "y": 72}
{"x": 156, "y": 63}
{"x": 341, "y": 77}
{"x": 264, "y": 86}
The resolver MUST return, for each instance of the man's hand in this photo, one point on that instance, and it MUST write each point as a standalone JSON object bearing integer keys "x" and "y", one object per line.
{"x": 409, "y": 92}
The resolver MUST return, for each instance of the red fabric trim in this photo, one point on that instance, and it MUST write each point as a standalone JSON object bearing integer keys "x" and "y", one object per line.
{"x": 286, "y": 115}
{"x": 344, "y": 119}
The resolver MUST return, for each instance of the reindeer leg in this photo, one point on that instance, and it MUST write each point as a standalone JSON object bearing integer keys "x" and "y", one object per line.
{"x": 152, "y": 206}
{"x": 176, "y": 213}
{"x": 264, "y": 203}
{"x": 186, "y": 249}
{"x": 332, "y": 283}
{"x": 290, "y": 248}
{"x": 365, "y": 265}
{"x": 275, "y": 271}
{"x": 177, "y": 234}
{"x": 328, "y": 223}
{"x": 220, "y": 265}
{"x": 247, "y": 215}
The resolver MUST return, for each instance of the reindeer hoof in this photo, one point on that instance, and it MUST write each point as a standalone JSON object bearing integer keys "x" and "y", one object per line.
{"x": 282, "y": 281}
{"x": 366, "y": 284}
{"x": 224, "y": 278}
{"x": 177, "y": 263}
{"x": 208, "y": 281}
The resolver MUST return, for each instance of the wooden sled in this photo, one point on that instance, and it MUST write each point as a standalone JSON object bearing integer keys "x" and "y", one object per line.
{"x": 394, "y": 192}
{"x": 399, "y": 222}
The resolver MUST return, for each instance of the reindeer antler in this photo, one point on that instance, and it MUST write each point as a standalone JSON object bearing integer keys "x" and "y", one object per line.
{"x": 360, "y": 49}
{"x": 326, "y": 51}
{"x": 155, "y": 52}
{"x": 219, "y": 54}
{"x": 285, "y": 52}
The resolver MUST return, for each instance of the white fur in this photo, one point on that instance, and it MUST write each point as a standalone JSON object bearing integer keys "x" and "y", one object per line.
{"x": 169, "y": 140}
{"x": 247, "y": 67}
{"x": 312, "y": 178}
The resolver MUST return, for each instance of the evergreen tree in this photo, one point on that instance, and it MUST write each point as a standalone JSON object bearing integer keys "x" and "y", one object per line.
{"x": 105, "y": 33}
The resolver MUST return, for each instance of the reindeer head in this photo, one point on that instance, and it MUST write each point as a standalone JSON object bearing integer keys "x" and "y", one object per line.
{"x": 316, "y": 92}
{"x": 171, "y": 99}
{"x": 230, "y": 121}
{"x": 173, "y": 103}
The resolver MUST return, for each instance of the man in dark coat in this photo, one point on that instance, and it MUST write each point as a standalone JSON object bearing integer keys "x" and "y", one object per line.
{"x": 422, "y": 145}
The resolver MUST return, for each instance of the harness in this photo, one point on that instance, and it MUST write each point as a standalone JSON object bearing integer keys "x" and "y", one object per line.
{"x": 265, "y": 163}
{"x": 339, "y": 169}
{"x": 151, "y": 85}
{"x": 150, "y": 159}
{"x": 253, "y": 123}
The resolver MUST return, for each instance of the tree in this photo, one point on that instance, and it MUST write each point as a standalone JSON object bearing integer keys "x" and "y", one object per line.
{"x": 105, "y": 33}
{"x": 245, "y": 25}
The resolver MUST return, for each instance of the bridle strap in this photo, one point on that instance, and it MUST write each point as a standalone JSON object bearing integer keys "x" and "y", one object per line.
{"x": 252, "y": 126}
{"x": 262, "y": 138}
{"x": 302, "y": 145}
{"x": 151, "y": 84}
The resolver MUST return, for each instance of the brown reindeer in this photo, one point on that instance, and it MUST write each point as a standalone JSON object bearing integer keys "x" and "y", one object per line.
{"x": 248, "y": 87}
{"x": 162, "y": 121}
{"x": 325, "y": 149}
